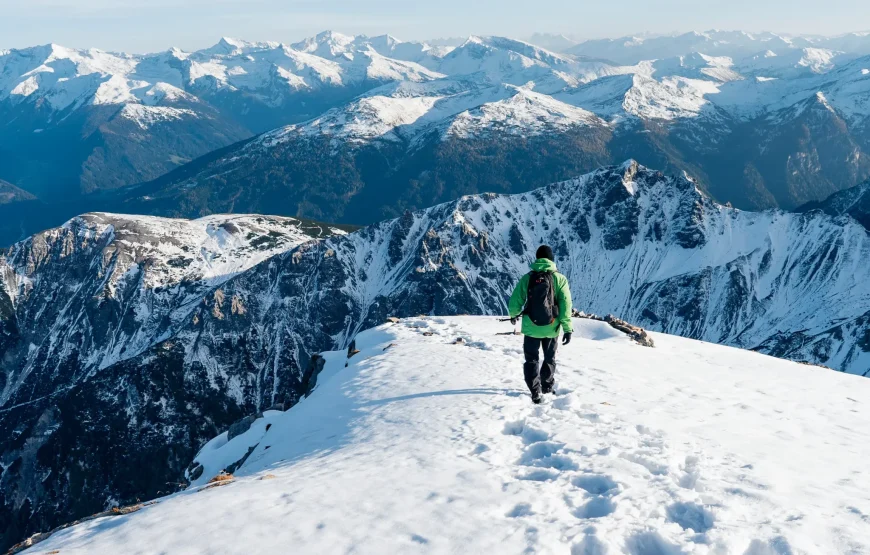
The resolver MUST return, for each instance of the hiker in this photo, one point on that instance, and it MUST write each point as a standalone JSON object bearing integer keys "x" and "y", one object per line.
{"x": 543, "y": 299}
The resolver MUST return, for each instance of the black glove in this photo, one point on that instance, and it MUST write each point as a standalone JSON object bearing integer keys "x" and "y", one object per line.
{"x": 514, "y": 321}
{"x": 566, "y": 338}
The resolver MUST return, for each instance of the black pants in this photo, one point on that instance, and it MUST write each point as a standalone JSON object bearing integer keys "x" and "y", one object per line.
{"x": 543, "y": 379}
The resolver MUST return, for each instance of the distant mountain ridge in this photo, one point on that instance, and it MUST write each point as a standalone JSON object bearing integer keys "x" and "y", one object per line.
{"x": 762, "y": 121}
{"x": 735, "y": 44}
{"x": 91, "y": 113}
{"x": 511, "y": 117}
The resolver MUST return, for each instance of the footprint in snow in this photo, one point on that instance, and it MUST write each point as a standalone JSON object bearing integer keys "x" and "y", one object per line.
{"x": 514, "y": 428}
{"x": 773, "y": 546}
{"x": 539, "y": 475}
{"x": 590, "y": 545}
{"x": 532, "y": 435}
{"x": 691, "y": 516}
{"x": 521, "y": 509}
{"x": 541, "y": 450}
{"x": 563, "y": 403}
{"x": 596, "y": 484}
{"x": 650, "y": 543}
{"x": 597, "y": 507}
{"x": 479, "y": 345}
{"x": 546, "y": 454}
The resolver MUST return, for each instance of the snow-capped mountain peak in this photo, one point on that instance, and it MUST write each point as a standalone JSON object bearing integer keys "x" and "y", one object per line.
{"x": 327, "y": 44}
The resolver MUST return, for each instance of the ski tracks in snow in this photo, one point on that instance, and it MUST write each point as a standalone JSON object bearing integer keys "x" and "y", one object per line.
{"x": 622, "y": 486}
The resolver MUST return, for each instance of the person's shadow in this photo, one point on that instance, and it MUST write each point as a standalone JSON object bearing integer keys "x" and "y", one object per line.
{"x": 477, "y": 391}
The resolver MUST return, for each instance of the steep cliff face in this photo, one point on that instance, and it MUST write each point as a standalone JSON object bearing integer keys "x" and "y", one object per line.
{"x": 81, "y": 307}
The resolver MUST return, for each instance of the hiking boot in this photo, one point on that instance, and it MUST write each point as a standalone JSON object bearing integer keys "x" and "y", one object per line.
{"x": 549, "y": 389}
{"x": 537, "y": 397}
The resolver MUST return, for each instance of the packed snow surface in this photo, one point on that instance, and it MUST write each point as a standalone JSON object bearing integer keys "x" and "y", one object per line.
{"x": 419, "y": 443}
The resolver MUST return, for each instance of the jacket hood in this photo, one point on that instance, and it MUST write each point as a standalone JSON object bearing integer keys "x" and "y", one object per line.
{"x": 543, "y": 265}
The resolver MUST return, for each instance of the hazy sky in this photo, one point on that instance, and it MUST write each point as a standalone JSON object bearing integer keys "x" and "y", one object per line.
{"x": 150, "y": 25}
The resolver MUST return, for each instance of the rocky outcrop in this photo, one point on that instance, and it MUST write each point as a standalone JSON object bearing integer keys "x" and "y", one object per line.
{"x": 635, "y": 333}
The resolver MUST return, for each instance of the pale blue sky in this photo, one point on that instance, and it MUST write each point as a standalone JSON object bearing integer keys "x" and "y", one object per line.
{"x": 150, "y": 25}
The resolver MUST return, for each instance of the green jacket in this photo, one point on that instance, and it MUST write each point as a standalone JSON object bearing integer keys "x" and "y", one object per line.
{"x": 563, "y": 299}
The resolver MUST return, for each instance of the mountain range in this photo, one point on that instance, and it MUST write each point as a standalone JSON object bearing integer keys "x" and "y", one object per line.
{"x": 133, "y": 333}
{"x": 715, "y": 42}
{"x": 331, "y": 126}
{"x": 129, "y": 340}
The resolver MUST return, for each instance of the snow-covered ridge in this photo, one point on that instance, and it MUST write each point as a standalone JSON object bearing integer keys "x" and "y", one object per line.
{"x": 167, "y": 109}
{"x": 483, "y": 98}
{"x": 640, "y": 451}
{"x": 213, "y": 248}
{"x": 408, "y": 111}
{"x": 68, "y": 78}
{"x": 71, "y": 78}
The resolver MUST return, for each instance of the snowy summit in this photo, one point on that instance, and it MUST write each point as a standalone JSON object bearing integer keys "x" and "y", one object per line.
{"x": 425, "y": 442}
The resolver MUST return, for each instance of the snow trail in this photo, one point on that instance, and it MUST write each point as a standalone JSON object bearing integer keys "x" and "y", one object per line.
{"x": 424, "y": 444}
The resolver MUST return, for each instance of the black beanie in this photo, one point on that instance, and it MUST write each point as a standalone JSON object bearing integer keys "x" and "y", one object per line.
{"x": 544, "y": 251}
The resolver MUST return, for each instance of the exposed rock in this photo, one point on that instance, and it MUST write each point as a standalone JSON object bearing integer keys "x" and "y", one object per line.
{"x": 351, "y": 349}
{"x": 638, "y": 335}
{"x": 241, "y": 426}
{"x": 222, "y": 477}
{"x": 309, "y": 379}
{"x": 635, "y": 333}
{"x": 194, "y": 471}
{"x": 238, "y": 464}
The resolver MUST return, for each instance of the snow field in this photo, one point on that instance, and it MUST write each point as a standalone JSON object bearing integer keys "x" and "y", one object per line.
{"x": 425, "y": 445}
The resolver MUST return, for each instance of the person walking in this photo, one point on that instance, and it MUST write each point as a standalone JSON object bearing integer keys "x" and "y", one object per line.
{"x": 543, "y": 299}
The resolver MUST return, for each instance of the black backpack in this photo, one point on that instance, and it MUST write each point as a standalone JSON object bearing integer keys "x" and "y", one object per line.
{"x": 541, "y": 307}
